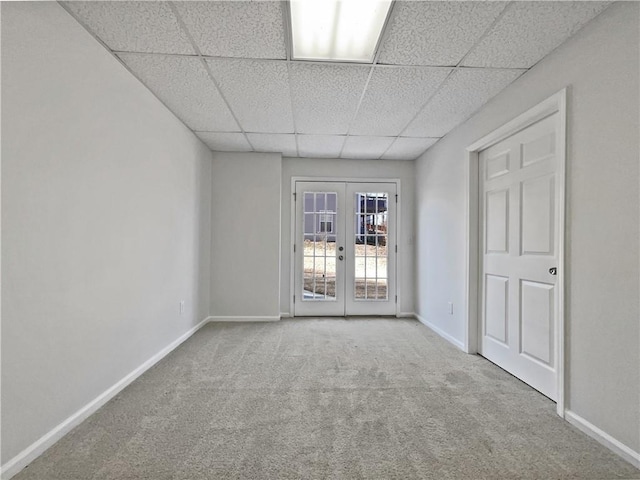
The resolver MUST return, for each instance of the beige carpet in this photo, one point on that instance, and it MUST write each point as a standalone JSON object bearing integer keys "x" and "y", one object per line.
{"x": 326, "y": 398}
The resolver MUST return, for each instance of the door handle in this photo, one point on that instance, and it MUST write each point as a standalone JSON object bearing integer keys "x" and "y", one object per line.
{"x": 553, "y": 270}
{"x": 340, "y": 257}
{"x": 341, "y": 248}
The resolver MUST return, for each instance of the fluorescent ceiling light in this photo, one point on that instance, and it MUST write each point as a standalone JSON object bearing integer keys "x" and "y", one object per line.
{"x": 343, "y": 30}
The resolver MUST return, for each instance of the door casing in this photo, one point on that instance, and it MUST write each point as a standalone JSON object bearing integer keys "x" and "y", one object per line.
{"x": 557, "y": 103}
{"x": 292, "y": 233}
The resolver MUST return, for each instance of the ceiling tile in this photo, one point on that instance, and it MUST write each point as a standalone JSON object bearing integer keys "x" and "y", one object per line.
{"x": 530, "y": 30}
{"x": 274, "y": 142}
{"x": 394, "y": 96}
{"x": 321, "y": 146}
{"x": 134, "y": 26}
{"x": 435, "y": 33}
{"x": 183, "y": 84}
{"x": 236, "y": 29}
{"x": 325, "y": 97}
{"x": 225, "y": 142}
{"x": 466, "y": 90}
{"x": 257, "y": 91}
{"x": 408, "y": 148}
{"x": 365, "y": 147}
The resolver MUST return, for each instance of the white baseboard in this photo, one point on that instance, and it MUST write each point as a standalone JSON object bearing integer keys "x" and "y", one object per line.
{"x": 240, "y": 318}
{"x": 440, "y": 332}
{"x": 406, "y": 315}
{"x": 285, "y": 315}
{"x": 33, "y": 451}
{"x": 603, "y": 438}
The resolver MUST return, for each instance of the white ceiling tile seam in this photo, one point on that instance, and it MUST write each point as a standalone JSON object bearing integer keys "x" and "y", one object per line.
{"x": 119, "y": 60}
{"x": 293, "y": 110}
{"x": 486, "y": 32}
{"x": 206, "y": 66}
{"x": 286, "y": 22}
{"x": 383, "y": 35}
{"x": 355, "y": 113}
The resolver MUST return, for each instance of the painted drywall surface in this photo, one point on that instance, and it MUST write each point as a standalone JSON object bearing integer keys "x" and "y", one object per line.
{"x": 245, "y": 242}
{"x": 105, "y": 209}
{"x": 440, "y": 241}
{"x": 600, "y": 67}
{"x": 352, "y": 169}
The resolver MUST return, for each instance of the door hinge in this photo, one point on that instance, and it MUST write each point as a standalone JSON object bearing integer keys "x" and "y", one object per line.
{"x": 396, "y": 198}
{"x": 294, "y": 299}
{"x": 294, "y": 247}
{"x": 295, "y": 196}
{"x": 396, "y": 298}
{"x": 396, "y": 248}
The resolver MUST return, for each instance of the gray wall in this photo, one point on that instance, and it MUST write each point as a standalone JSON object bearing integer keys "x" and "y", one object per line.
{"x": 251, "y": 216}
{"x": 332, "y": 168}
{"x": 245, "y": 244}
{"x": 105, "y": 216}
{"x": 600, "y": 65}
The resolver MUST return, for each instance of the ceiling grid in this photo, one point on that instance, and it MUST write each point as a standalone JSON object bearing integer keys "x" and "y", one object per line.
{"x": 457, "y": 67}
{"x": 435, "y": 64}
{"x": 84, "y": 25}
{"x": 288, "y": 48}
{"x": 383, "y": 35}
{"x": 206, "y": 66}
{"x": 447, "y": 78}
{"x": 355, "y": 113}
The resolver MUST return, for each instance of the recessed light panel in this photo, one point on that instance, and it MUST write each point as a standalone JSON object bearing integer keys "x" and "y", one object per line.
{"x": 340, "y": 30}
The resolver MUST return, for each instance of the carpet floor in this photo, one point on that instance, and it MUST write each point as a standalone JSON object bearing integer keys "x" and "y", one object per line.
{"x": 325, "y": 398}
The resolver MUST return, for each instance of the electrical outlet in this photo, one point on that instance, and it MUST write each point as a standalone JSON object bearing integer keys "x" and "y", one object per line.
{"x": 450, "y": 308}
{"x": 181, "y": 307}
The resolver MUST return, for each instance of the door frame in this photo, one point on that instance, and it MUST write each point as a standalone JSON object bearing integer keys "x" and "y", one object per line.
{"x": 292, "y": 233}
{"x": 557, "y": 103}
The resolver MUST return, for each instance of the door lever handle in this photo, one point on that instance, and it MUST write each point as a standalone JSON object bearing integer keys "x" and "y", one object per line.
{"x": 340, "y": 257}
{"x": 553, "y": 270}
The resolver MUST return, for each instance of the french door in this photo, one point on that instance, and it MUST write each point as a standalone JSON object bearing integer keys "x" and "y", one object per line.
{"x": 345, "y": 249}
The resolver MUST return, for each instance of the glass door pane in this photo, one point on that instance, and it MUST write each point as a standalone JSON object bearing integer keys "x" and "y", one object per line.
{"x": 319, "y": 253}
{"x": 320, "y": 246}
{"x": 371, "y": 249}
{"x": 371, "y": 254}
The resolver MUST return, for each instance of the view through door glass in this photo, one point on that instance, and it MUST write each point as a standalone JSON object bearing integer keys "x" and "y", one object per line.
{"x": 320, "y": 245}
{"x": 343, "y": 261}
{"x": 371, "y": 241}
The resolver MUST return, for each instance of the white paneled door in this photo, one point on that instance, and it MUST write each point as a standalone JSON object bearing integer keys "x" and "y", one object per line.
{"x": 520, "y": 246}
{"x": 345, "y": 249}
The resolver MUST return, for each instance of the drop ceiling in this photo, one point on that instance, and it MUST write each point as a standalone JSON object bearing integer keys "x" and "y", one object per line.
{"x": 224, "y": 68}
